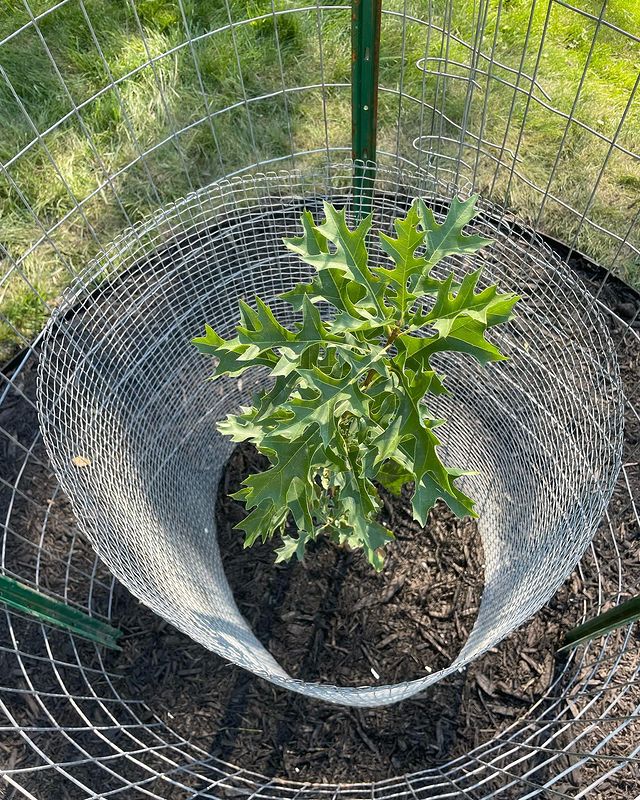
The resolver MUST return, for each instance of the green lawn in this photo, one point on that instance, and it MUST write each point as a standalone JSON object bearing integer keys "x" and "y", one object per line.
{"x": 108, "y": 132}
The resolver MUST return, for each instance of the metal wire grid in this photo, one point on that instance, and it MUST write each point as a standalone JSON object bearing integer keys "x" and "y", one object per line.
{"x": 109, "y": 372}
{"x": 505, "y": 756}
{"x": 144, "y": 740}
{"x": 460, "y": 144}
{"x": 490, "y": 761}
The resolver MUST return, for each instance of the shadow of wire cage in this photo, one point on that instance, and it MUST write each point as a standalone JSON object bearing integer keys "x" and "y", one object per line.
{"x": 108, "y": 114}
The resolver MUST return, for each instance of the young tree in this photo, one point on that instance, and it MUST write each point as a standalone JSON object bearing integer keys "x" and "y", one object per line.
{"x": 345, "y": 408}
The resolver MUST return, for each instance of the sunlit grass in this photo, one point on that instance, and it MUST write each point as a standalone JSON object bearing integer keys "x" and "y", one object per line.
{"x": 165, "y": 130}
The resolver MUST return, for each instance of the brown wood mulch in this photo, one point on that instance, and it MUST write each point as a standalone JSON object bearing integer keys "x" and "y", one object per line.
{"x": 331, "y": 618}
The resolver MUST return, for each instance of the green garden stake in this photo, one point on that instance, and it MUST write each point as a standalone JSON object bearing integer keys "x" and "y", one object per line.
{"x": 365, "y": 59}
{"x": 54, "y": 612}
{"x": 604, "y": 623}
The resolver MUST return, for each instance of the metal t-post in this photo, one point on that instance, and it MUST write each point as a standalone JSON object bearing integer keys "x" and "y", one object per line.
{"x": 47, "y": 609}
{"x": 365, "y": 59}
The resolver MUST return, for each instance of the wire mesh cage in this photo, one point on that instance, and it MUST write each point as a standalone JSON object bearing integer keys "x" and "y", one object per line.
{"x": 153, "y": 155}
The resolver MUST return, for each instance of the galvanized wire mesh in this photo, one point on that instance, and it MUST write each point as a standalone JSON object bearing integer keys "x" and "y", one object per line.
{"x": 457, "y": 103}
{"x": 122, "y": 387}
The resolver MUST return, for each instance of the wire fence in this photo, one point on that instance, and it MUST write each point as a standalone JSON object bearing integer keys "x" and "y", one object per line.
{"x": 109, "y": 114}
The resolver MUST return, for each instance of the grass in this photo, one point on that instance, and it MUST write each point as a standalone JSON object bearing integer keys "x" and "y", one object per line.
{"x": 110, "y": 129}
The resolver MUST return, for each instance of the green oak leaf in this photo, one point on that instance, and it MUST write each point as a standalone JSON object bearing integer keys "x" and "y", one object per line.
{"x": 261, "y": 330}
{"x": 402, "y": 251}
{"x": 446, "y": 238}
{"x": 329, "y": 286}
{"x": 348, "y": 256}
{"x": 291, "y": 547}
{"x": 261, "y": 521}
{"x": 486, "y": 306}
{"x": 290, "y": 459}
{"x": 231, "y": 355}
{"x": 419, "y": 445}
{"x": 393, "y": 476}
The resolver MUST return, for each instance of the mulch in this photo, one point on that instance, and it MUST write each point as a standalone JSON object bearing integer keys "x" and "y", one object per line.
{"x": 332, "y": 619}
{"x": 329, "y": 618}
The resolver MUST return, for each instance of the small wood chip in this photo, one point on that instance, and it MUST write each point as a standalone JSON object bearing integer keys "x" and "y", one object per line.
{"x": 507, "y": 691}
{"x": 371, "y": 600}
{"x": 528, "y": 660}
{"x": 504, "y": 711}
{"x": 485, "y": 684}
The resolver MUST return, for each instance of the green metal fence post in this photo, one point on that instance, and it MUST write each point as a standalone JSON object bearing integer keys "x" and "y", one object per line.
{"x": 365, "y": 59}
{"x": 54, "y": 612}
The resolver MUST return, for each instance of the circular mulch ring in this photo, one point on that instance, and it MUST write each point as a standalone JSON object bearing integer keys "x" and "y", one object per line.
{"x": 330, "y": 617}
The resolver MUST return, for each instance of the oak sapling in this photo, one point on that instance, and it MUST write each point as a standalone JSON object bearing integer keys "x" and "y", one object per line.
{"x": 345, "y": 408}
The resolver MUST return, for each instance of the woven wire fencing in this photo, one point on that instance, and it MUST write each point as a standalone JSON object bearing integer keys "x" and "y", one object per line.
{"x": 252, "y": 101}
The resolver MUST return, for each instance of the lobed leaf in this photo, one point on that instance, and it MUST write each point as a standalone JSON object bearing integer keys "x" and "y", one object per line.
{"x": 446, "y": 238}
{"x": 348, "y": 257}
